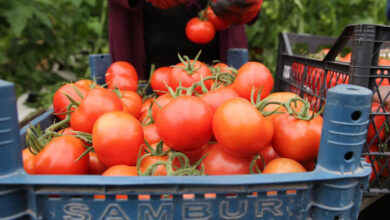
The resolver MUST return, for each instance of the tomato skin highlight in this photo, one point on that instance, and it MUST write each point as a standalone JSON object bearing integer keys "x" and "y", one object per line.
{"x": 253, "y": 75}
{"x": 297, "y": 139}
{"x": 283, "y": 165}
{"x": 58, "y": 157}
{"x": 117, "y": 138}
{"x": 240, "y": 128}
{"x": 97, "y": 102}
{"x": 200, "y": 32}
{"x": 61, "y": 102}
{"x": 185, "y": 123}
{"x": 121, "y": 170}
{"x": 220, "y": 162}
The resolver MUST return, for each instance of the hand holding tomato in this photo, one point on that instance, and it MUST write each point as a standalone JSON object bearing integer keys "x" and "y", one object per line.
{"x": 237, "y": 11}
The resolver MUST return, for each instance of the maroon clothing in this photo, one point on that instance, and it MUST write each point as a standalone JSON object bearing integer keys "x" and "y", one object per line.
{"x": 127, "y": 41}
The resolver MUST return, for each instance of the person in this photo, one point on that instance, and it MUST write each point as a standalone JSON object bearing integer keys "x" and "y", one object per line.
{"x": 153, "y": 31}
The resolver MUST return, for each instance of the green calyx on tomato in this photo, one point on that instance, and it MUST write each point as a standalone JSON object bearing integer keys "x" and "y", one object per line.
{"x": 189, "y": 66}
{"x": 168, "y": 160}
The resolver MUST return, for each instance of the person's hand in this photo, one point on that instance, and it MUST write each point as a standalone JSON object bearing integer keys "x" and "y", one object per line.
{"x": 237, "y": 11}
{"x": 166, "y": 4}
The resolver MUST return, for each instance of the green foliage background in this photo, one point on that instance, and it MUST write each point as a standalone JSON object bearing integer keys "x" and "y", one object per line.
{"x": 37, "y": 35}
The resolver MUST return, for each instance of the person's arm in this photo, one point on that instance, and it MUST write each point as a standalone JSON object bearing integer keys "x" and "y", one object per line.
{"x": 128, "y": 4}
{"x": 237, "y": 11}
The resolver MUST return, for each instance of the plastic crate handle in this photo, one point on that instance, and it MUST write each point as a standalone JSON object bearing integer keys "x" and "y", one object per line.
{"x": 344, "y": 130}
{"x": 10, "y": 152}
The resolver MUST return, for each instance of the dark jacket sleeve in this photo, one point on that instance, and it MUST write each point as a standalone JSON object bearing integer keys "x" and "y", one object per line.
{"x": 128, "y": 4}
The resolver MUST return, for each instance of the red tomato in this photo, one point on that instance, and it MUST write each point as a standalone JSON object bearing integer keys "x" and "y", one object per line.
{"x": 121, "y": 170}
{"x": 117, "y": 138}
{"x": 253, "y": 75}
{"x": 195, "y": 155}
{"x": 144, "y": 119}
{"x": 132, "y": 103}
{"x": 217, "y": 97}
{"x": 185, "y": 123}
{"x": 59, "y": 155}
{"x": 95, "y": 167}
{"x": 146, "y": 105}
{"x": 283, "y": 165}
{"x": 61, "y": 102}
{"x": 240, "y": 128}
{"x": 97, "y": 102}
{"x": 69, "y": 131}
{"x": 220, "y": 162}
{"x": 219, "y": 23}
{"x": 200, "y": 32}
{"x": 87, "y": 83}
{"x": 267, "y": 154}
{"x": 379, "y": 121}
{"x": 309, "y": 166}
{"x": 160, "y": 80}
{"x": 122, "y": 75}
{"x": 150, "y": 134}
{"x": 28, "y": 161}
{"x": 282, "y": 97}
{"x": 149, "y": 160}
{"x": 159, "y": 103}
{"x": 296, "y": 139}
{"x": 191, "y": 76}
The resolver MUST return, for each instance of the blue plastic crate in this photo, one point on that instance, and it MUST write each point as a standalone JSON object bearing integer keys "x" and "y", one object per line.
{"x": 332, "y": 191}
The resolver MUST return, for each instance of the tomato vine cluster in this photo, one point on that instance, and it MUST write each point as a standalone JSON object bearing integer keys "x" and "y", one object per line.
{"x": 201, "y": 120}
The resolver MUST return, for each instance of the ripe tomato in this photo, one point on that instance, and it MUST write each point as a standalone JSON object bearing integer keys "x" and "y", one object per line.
{"x": 185, "y": 123}
{"x": 117, "y": 138}
{"x": 240, "y": 128}
{"x": 195, "y": 155}
{"x": 160, "y": 80}
{"x": 28, "y": 161}
{"x": 95, "y": 167}
{"x": 122, "y": 75}
{"x": 282, "y": 97}
{"x": 283, "y": 165}
{"x": 61, "y": 102}
{"x": 253, "y": 75}
{"x": 200, "y": 32}
{"x": 309, "y": 166}
{"x": 159, "y": 103}
{"x": 267, "y": 155}
{"x": 121, "y": 170}
{"x": 97, "y": 102}
{"x": 379, "y": 128}
{"x": 219, "y": 23}
{"x": 146, "y": 105}
{"x": 59, "y": 155}
{"x": 132, "y": 103}
{"x": 144, "y": 119}
{"x": 150, "y": 134}
{"x": 190, "y": 76}
{"x": 217, "y": 97}
{"x": 149, "y": 160}
{"x": 296, "y": 139}
{"x": 220, "y": 162}
{"x": 87, "y": 83}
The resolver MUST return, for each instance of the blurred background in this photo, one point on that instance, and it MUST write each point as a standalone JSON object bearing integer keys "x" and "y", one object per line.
{"x": 44, "y": 43}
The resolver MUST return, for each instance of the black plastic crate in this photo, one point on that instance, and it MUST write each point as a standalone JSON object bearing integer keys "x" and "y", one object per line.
{"x": 299, "y": 70}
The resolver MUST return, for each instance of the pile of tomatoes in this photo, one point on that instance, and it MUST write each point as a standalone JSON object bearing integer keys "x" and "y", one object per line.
{"x": 200, "y": 120}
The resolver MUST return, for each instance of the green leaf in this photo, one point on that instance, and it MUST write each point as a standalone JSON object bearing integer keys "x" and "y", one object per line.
{"x": 43, "y": 18}
{"x": 95, "y": 26}
{"x": 91, "y": 2}
{"x": 18, "y": 16}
